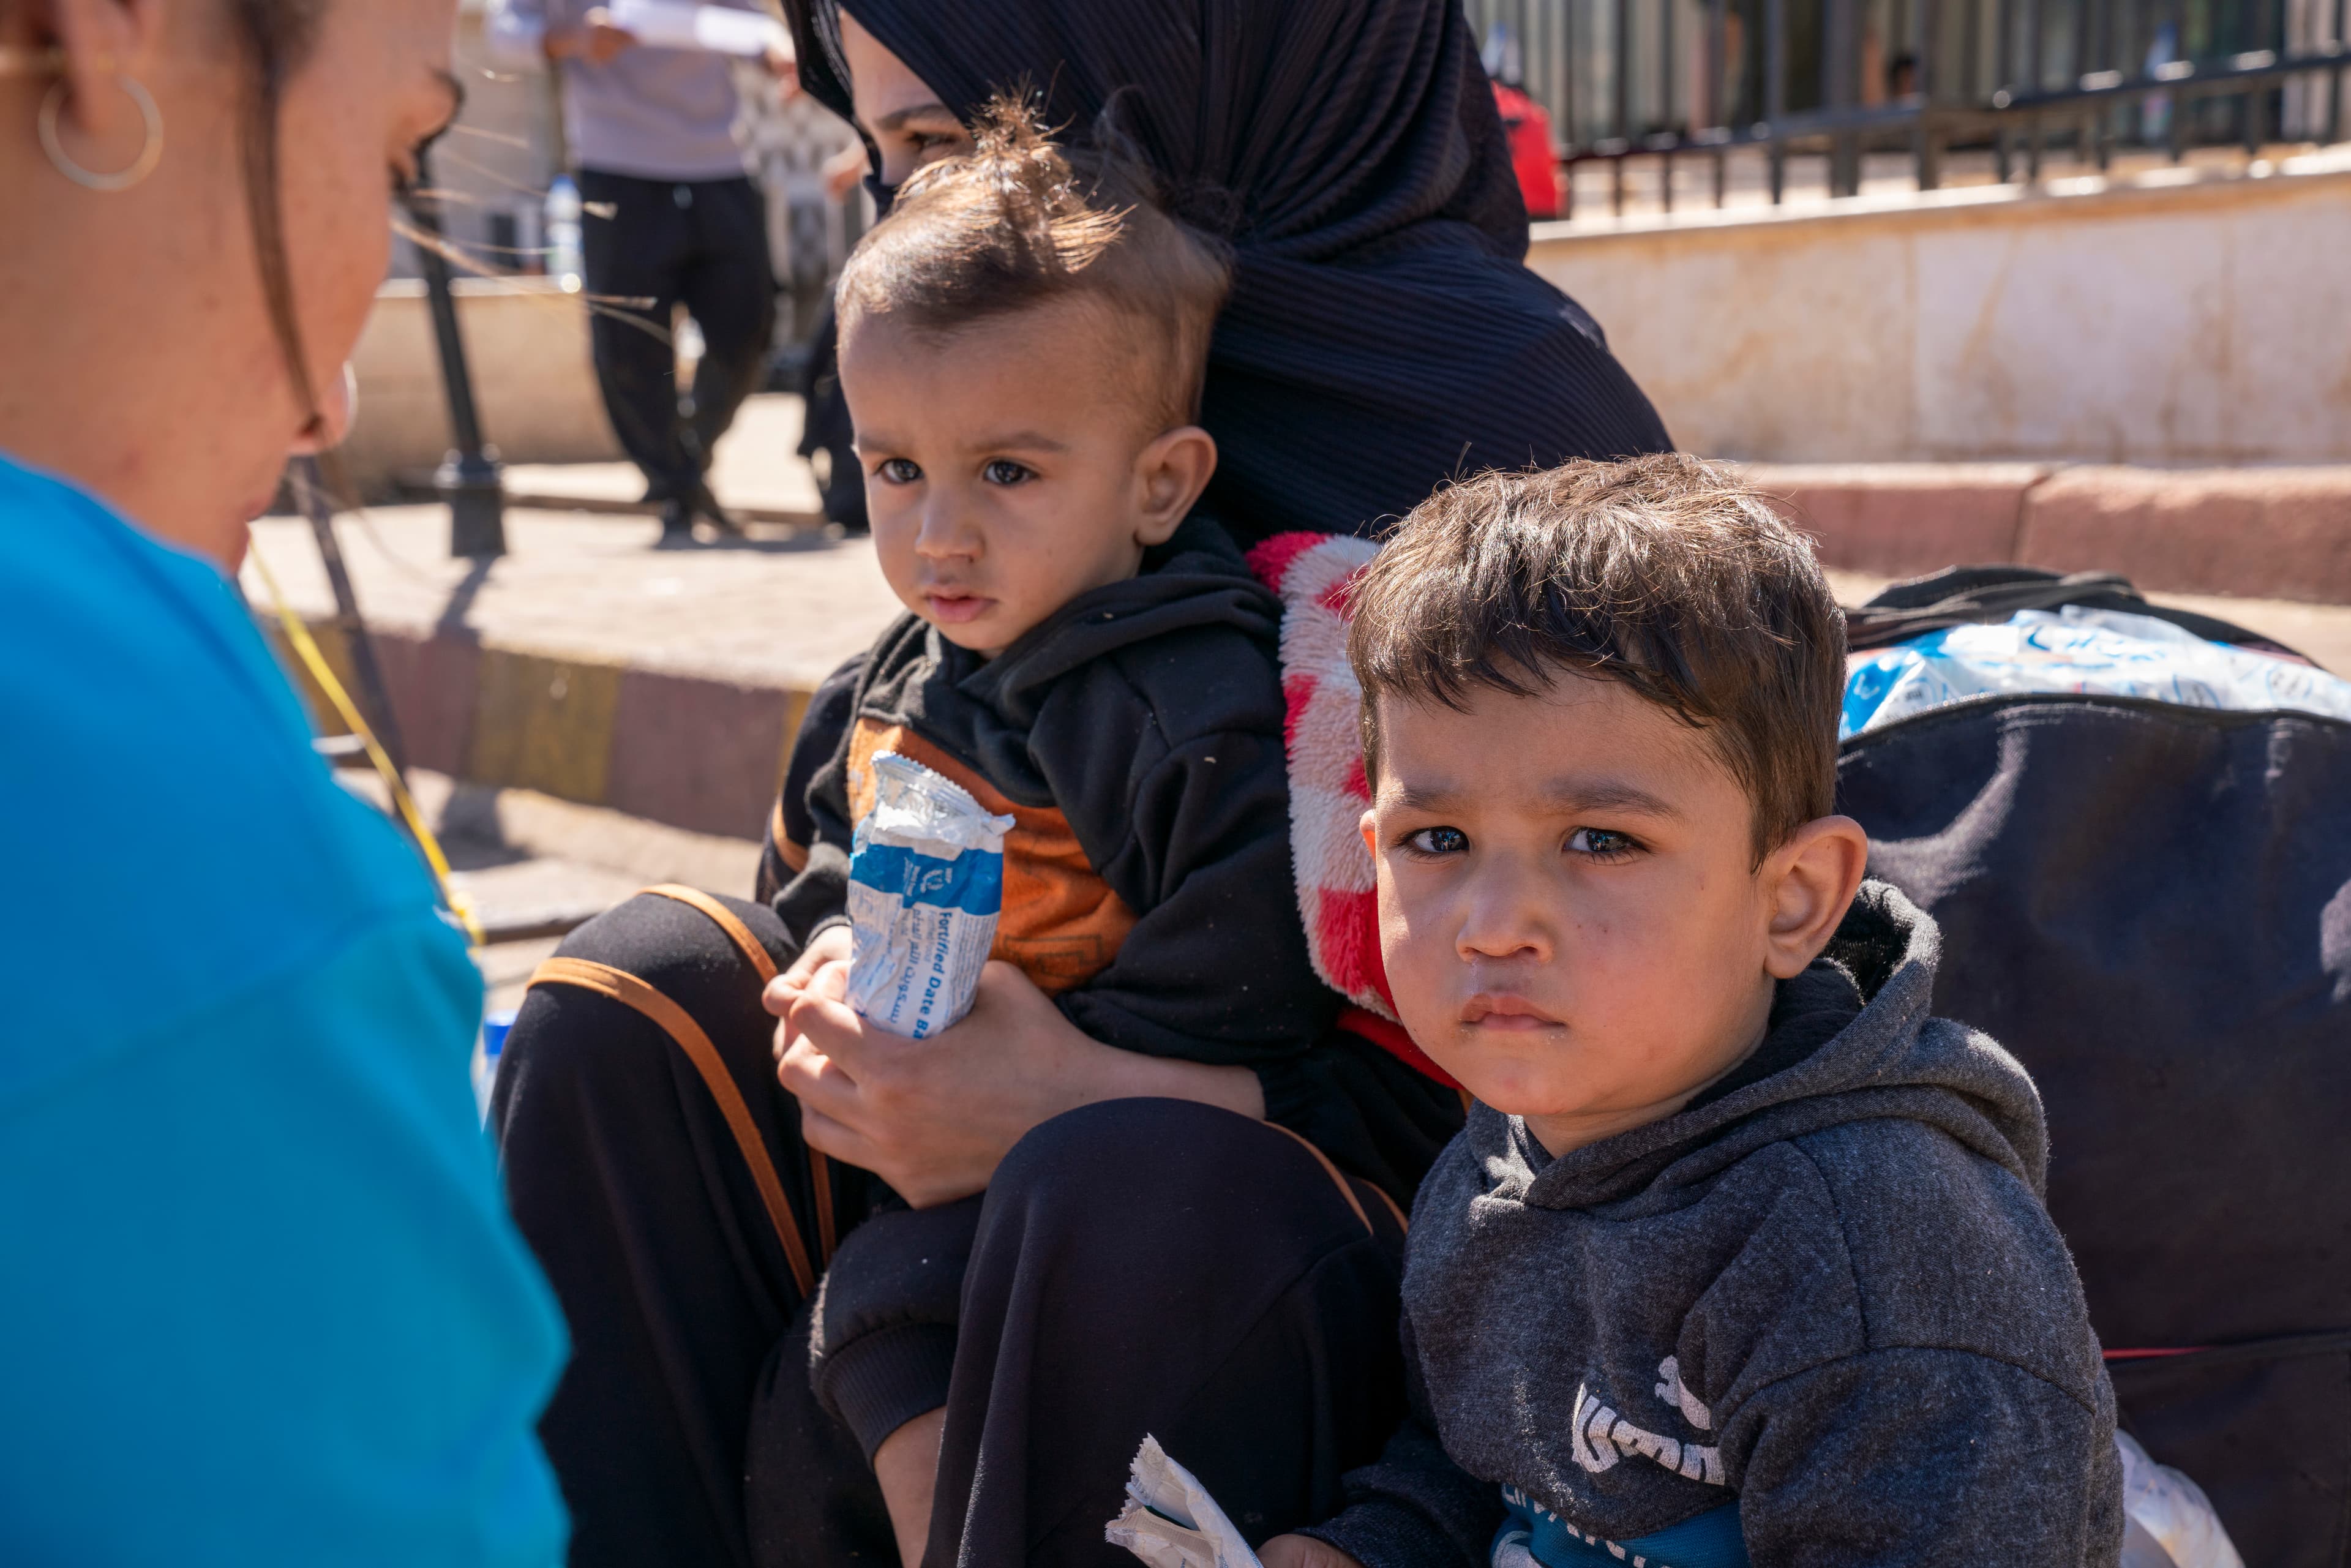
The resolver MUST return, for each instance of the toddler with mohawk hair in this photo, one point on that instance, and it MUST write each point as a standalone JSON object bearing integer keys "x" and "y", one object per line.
{"x": 1023, "y": 344}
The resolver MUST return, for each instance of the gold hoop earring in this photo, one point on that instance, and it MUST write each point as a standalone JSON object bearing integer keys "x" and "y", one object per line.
{"x": 150, "y": 154}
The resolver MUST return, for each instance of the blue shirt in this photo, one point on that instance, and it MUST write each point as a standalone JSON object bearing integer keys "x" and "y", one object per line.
{"x": 260, "y": 1302}
{"x": 1533, "y": 1534}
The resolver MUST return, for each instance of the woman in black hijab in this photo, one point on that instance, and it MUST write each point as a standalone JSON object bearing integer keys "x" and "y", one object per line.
{"x": 1136, "y": 1264}
{"x": 1383, "y": 334}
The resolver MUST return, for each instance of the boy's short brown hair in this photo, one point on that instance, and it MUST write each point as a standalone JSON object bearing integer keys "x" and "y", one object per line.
{"x": 1663, "y": 573}
{"x": 1019, "y": 222}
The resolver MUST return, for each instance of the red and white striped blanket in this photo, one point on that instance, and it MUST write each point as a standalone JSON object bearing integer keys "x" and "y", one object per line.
{"x": 1312, "y": 575}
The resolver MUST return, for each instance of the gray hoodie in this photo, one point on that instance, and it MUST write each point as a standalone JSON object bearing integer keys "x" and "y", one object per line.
{"x": 1822, "y": 1304}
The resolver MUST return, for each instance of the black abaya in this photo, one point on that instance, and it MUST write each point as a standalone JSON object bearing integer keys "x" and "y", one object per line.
{"x": 1383, "y": 335}
{"x": 1141, "y": 1266}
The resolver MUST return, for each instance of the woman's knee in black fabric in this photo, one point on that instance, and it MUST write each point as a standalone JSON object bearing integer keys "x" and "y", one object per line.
{"x": 1204, "y": 1182}
{"x": 671, "y": 946}
{"x": 570, "y": 1050}
{"x": 568, "y": 1042}
{"x": 1118, "y": 1150}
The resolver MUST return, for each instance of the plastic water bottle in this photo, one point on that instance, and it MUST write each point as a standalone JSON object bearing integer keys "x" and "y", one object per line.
{"x": 565, "y": 261}
{"x": 487, "y": 1049}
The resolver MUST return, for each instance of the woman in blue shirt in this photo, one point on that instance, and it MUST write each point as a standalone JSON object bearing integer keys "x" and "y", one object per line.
{"x": 260, "y": 1300}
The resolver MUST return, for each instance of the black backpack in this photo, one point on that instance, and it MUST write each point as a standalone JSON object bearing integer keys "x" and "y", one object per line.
{"x": 2151, "y": 905}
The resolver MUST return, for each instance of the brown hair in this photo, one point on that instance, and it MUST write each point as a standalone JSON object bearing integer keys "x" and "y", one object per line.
{"x": 1019, "y": 222}
{"x": 1663, "y": 573}
{"x": 276, "y": 37}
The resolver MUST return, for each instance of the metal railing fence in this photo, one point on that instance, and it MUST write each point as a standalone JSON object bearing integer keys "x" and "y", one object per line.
{"x": 1674, "y": 80}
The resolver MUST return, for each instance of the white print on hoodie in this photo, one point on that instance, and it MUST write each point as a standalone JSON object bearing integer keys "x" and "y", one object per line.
{"x": 1599, "y": 1435}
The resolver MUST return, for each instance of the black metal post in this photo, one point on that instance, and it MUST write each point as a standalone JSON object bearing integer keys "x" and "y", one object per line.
{"x": 2266, "y": 25}
{"x": 1840, "y": 77}
{"x": 2253, "y": 34}
{"x": 1566, "y": 130}
{"x": 1718, "y": 108}
{"x": 1927, "y": 147}
{"x": 2175, "y": 105}
{"x": 2004, "y": 77}
{"x": 470, "y": 479}
{"x": 2335, "y": 83}
{"x": 1667, "y": 49}
{"x": 1621, "y": 53}
{"x": 1775, "y": 90}
{"x": 1569, "y": 130}
{"x": 2032, "y": 81}
{"x": 1970, "y": 47}
{"x": 374, "y": 696}
{"x": 2079, "y": 66}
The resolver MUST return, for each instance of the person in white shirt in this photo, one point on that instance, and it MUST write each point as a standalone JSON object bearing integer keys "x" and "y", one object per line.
{"x": 673, "y": 218}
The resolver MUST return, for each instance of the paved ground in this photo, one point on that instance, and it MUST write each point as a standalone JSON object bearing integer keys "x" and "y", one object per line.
{"x": 757, "y": 471}
{"x": 667, "y": 685}
{"x": 780, "y": 610}
{"x": 535, "y": 867}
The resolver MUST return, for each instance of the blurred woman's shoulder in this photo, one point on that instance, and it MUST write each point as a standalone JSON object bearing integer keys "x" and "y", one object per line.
{"x": 164, "y": 818}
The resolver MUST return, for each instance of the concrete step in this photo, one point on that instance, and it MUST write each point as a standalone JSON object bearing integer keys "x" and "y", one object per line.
{"x": 588, "y": 666}
{"x": 537, "y": 867}
{"x": 756, "y": 474}
{"x": 2252, "y": 533}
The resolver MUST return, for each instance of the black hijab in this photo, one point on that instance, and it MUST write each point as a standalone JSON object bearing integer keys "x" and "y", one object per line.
{"x": 1383, "y": 335}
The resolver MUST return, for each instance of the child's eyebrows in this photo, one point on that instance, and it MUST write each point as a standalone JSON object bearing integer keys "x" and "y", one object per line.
{"x": 1426, "y": 797}
{"x": 1020, "y": 441}
{"x": 898, "y": 119}
{"x": 1606, "y": 795}
{"x": 1560, "y": 794}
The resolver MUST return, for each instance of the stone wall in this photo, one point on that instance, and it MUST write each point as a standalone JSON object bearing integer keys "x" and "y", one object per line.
{"x": 526, "y": 346}
{"x": 2180, "y": 319}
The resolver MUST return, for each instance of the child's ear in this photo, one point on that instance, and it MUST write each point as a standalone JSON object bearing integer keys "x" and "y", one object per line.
{"x": 1171, "y": 474}
{"x": 1368, "y": 825}
{"x": 1811, "y": 880}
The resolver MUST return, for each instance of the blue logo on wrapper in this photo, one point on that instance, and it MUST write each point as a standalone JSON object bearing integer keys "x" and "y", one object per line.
{"x": 925, "y": 886}
{"x": 970, "y": 883}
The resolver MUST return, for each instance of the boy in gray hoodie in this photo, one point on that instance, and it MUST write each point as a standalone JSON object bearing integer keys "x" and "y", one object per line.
{"x": 1741, "y": 1257}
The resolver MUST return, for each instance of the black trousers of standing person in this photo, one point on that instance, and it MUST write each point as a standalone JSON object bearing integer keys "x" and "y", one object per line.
{"x": 650, "y": 245}
{"x": 1137, "y": 1267}
{"x": 825, "y": 426}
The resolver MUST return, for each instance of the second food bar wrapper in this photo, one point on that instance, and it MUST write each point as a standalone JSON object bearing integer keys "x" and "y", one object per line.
{"x": 1171, "y": 1521}
{"x": 925, "y": 886}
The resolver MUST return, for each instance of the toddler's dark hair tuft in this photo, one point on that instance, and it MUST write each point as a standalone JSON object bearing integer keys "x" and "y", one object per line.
{"x": 1021, "y": 221}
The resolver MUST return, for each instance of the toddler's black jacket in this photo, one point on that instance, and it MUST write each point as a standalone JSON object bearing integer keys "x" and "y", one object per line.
{"x": 1136, "y": 738}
